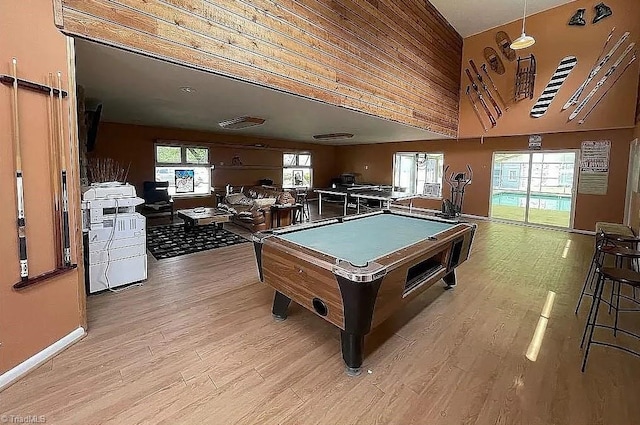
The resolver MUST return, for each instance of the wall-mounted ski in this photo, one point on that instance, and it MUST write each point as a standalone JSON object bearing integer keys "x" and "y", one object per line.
{"x": 549, "y": 93}
{"x": 597, "y": 67}
{"x": 485, "y": 88}
{"x": 482, "y": 102}
{"x": 484, "y": 69}
{"x": 633, "y": 59}
{"x": 601, "y": 82}
{"x": 475, "y": 108}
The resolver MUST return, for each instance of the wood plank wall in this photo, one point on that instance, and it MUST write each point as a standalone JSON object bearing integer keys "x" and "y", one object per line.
{"x": 396, "y": 59}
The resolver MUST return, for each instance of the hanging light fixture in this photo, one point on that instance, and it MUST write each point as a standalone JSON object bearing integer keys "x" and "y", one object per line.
{"x": 524, "y": 40}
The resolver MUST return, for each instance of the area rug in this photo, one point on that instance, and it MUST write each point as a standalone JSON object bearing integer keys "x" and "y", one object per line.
{"x": 172, "y": 241}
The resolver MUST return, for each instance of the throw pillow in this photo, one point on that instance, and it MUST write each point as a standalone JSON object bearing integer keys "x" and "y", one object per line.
{"x": 237, "y": 199}
{"x": 244, "y": 201}
{"x": 286, "y": 198}
{"x": 264, "y": 202}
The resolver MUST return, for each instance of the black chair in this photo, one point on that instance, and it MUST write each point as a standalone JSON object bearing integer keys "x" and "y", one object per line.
{"x": 301, "y": 198}
{"x": 623, "y": 274}
{"x": 604, "y": 240}
{"x": 156, "y": 198}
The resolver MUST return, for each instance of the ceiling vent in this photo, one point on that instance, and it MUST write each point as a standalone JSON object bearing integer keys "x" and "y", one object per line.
{"x": 240, "y": 122}
{"x": 333, "y": 136}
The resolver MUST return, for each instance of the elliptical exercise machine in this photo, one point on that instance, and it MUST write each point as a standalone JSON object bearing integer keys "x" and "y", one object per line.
{"x": 451, "y": 208}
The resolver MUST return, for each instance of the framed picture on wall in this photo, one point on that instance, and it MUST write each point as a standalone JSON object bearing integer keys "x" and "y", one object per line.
{"x": 298, "y": 178}
{"x": 185, "y": 181}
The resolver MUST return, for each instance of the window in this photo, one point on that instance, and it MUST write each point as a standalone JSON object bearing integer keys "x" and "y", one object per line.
{"x": 417, "y": 172}
{"x": 513, "y": 175}
{"x": 186, "y": 168}
{"x": 296, "y": 170}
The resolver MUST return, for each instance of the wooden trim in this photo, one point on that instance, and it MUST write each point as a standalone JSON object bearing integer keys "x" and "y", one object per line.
{"x": 58, "y": 17}
{"x": 74, "y": 176}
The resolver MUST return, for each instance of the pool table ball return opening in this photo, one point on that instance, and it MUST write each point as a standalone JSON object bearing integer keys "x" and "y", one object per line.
{"x": 356, "y": 271}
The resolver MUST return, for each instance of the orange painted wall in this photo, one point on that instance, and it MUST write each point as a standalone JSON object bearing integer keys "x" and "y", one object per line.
{"x": 478, "y": 153}
{"x": 555, "y": 40}
{"x": 131, "y": 143}
{"x": 35, "y": 318}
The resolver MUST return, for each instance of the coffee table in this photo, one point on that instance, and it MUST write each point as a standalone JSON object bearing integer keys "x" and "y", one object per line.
{"x": 201, "y": 216}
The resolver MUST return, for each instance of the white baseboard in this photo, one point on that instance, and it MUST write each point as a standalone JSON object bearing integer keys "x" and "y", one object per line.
{"x": 12, "y": 375}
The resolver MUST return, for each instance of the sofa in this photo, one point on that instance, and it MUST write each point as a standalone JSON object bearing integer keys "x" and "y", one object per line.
{"x": 251, "y": 207}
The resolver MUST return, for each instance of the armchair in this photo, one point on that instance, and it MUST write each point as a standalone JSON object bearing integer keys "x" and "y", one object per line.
{"x": 156, "y": 198}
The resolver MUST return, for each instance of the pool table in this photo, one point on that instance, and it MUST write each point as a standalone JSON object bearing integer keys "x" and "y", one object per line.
{"x": 356, "y": 271}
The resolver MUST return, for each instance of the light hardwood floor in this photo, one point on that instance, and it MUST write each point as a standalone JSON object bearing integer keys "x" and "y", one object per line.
{"x": 197, "y": 344}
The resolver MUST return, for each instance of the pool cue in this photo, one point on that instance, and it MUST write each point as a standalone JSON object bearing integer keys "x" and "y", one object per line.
{"x": 22, "y": 233}
{"x": 65, "y": 194}
{"x": 53, "y": 155}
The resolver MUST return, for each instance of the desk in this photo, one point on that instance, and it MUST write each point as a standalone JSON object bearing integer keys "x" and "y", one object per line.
{"x": 357, "y": 271}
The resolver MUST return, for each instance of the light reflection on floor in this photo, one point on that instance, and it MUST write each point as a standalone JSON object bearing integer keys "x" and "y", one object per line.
{"x": 538, "y": 334}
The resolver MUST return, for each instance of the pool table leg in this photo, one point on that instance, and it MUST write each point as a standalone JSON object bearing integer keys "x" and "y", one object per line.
{"x": 280, "y": 306}
{"x": 450, "y": 279}
{"x": 352, "y": 352}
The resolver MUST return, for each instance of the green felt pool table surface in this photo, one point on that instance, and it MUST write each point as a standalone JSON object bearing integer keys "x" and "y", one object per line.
{"x": 364, "y": 239}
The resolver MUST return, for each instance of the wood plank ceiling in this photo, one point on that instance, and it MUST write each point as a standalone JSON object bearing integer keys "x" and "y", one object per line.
{"x": 398, "y": 60}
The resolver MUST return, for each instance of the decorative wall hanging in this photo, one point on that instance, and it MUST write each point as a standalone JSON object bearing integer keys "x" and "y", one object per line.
{"x": 603, "y": 80}
{"x": 494, "y": 61}
{"x": 549, "y": 93}
{"x": 484, "y": 69}
{"x": 525, "y": 78}
{"x": 485, "y": 88}
{"x": 504, "y": 42}
{"x": 475, "y": 108}
{"x": 602, "y": 11}
{"x": 481, "y": 98}
{"x": 633, "y": 59}
{"x": 578, "y": 18}
{"x": 600, "y": 62}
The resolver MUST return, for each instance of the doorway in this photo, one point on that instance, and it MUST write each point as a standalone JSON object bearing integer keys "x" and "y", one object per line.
{"x": 534, "y": 188}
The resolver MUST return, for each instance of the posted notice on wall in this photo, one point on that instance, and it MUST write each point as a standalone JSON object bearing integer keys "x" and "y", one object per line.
{"x": 594, "y": 167}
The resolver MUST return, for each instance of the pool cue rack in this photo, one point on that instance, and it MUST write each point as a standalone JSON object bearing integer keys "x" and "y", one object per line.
{"x": 30, "y": 85}
{"x": 62, "y": 267}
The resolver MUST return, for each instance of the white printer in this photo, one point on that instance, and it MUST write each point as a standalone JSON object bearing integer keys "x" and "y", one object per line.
{"x": 115, "y": 236}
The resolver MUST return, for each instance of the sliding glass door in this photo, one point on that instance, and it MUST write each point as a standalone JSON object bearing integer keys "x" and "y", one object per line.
{"x": 536, "y": 188}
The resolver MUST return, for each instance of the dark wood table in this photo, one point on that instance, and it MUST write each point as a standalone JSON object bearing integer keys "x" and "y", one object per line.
{"x": 201, "y": 216}
{"x": 278, "y": 209}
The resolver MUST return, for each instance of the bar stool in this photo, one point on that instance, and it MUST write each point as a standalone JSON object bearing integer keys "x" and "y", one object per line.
{"x": 301, "y": 198}
{"x": 618, "y": 276}
{"x": 606, "y": 239}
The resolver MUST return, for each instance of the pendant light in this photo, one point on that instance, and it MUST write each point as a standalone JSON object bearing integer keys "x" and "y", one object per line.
{"x": 524, "y": 40}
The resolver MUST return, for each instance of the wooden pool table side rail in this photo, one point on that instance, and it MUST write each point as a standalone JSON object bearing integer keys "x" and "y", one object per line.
{"x": 391, "y": 295}
{"x": 302, "y": 278}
